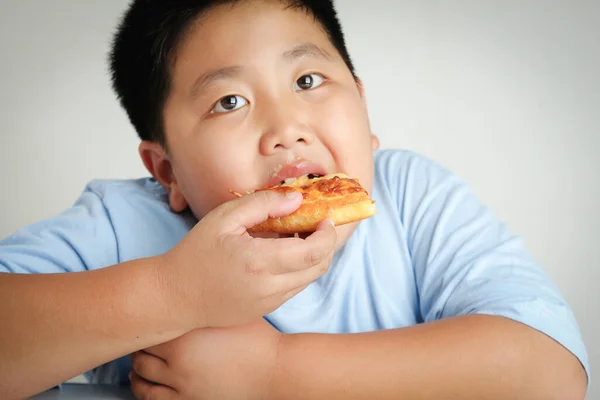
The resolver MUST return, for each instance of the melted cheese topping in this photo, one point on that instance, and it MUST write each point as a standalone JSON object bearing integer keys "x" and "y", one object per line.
{"x": 305, "y": 180}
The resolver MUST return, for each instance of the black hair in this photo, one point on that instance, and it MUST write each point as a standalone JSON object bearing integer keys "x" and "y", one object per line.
{"x": 147, "y": 38}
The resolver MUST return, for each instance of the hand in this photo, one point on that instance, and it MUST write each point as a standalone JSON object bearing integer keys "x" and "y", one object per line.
{"x": 219, "y": 275}
{"x": 210, "y": 363}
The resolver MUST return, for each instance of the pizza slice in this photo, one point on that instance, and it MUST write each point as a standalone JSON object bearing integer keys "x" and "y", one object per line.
{"x": 335, "y": 196}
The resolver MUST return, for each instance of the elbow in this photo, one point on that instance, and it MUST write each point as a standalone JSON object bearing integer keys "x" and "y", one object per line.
{"x": 547, "y": 369}
{"x": 570, "y": 378}
{"x": 571, "y": 388}
{"x": 564, "y": 378}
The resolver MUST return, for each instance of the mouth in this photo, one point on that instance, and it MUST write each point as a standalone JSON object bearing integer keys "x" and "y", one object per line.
{"x": 270, "y": 235}
{"x": 292, "y": 171}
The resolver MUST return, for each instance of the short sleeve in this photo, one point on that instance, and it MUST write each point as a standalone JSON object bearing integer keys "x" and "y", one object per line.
{"x": 79, "y": 239}
{"x": 467, "y": 262}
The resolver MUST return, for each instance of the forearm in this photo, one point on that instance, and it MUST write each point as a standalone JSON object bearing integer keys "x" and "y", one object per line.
{"x": 57, "y": 326}
{"x": 473, "y": 357}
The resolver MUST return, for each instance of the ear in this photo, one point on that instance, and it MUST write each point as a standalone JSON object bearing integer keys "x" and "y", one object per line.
{"x": 361, "y": 90}
{"x": 374, "y": 142}
{"x": 157, "y": 162}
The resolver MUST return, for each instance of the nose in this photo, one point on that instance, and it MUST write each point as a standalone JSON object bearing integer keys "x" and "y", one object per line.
{"x": 283, "y": 131}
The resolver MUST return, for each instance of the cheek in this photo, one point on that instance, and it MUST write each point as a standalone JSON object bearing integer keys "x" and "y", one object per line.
{"x": 208, "y": 170}
{"x": 345, "y": 118}
{"x": 346, "y": 132}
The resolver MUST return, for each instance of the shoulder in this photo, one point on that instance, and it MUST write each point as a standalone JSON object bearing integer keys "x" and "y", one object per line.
{"x": 140, "y": 214}
{"x": 111, "y": 221}
{"x": 122, "y": 190}
{"x": 397, "y": 167}
{"x": 410, "y": 179}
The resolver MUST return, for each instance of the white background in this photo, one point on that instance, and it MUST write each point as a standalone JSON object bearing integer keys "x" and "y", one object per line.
{"x": 505, "y": 93}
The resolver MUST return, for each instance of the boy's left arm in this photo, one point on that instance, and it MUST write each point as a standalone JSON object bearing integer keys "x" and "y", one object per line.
{"x": 468, "y": 357}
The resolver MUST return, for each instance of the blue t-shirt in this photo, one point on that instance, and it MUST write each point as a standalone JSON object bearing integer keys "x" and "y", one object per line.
{"x": 433, "y": 251}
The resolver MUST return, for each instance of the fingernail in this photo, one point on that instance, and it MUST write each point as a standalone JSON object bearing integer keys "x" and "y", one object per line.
{"x": 293, "y": 195}
{"x": 328, "y": 221}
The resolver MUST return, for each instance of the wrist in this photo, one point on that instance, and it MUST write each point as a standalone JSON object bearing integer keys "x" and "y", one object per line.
{"x": 168, "y": 289}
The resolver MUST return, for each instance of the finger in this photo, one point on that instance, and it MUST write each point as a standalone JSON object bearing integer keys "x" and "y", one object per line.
{"x": 145, "y": 390}
{"x": 152, "y": 368}
{"x": 292, "y": 281}
{"x": 250, "y": 210}
{"x": 162, "y": 350}
{"x": 294, "y": 254}
{"x": 292, "y": 293}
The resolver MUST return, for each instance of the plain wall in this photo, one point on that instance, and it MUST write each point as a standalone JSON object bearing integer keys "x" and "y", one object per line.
{"x": 505, "y": 93}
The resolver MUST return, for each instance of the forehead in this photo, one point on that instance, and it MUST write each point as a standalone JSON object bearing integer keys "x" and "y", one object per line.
{"x": 246, "y": 31}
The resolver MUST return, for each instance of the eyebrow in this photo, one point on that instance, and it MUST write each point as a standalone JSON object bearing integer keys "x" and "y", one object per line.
{"x": 210, "y": 77}
{"x": 307, "y": 49}
{"x": 221, "y": 74}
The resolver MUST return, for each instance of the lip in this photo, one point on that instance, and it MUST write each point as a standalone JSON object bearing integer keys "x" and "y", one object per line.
{"x": 295, "y": 170}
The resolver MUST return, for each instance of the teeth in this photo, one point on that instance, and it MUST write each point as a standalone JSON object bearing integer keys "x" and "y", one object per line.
{"x": 277, "y": 169}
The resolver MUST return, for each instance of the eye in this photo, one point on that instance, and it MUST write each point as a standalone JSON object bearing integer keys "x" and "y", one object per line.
{"x": 228, "y": 104}
{"x": 307, "y": 82}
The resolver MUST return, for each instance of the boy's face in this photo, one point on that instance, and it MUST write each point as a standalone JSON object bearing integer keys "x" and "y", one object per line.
{"x": 258, "y": 94}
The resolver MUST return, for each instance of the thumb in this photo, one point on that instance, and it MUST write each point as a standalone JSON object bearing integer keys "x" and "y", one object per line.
{"x": 250, "y": 210}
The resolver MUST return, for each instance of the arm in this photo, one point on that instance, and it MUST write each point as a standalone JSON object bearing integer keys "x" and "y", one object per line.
{"x": 469, "y": 357}
{"x": 56, "y": 326}
{"x": 63, "y": 313}
{"x": 495, "y": 326}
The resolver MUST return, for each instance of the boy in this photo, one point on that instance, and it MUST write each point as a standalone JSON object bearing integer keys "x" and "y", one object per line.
{"x": 431, "y": 298}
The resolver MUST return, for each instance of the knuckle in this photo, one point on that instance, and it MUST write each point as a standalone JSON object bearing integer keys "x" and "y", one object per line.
{"x": 136, "y": 362}
{"x": 263, "y": 195}
{"x": 218, "y": 212}
{"x": 313, "y": 257}
{"x": 266, "y": 289}
{"x": 152, "y": 394}
{"x": 250, "y": 270}
{"x": 250, "y": 266}
{"x": 309, "y": 259}
{"x": 324, "y": 267}
{"x": 136, "y": 390}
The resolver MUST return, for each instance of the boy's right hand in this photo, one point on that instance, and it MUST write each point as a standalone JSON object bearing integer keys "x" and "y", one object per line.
{"x": 219, "y": 275}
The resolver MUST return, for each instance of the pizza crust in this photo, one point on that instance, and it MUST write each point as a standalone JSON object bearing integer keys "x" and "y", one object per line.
{"x": 335, "y": 197}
